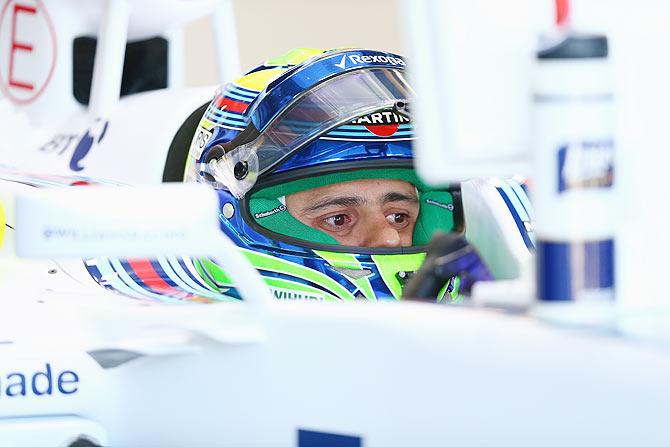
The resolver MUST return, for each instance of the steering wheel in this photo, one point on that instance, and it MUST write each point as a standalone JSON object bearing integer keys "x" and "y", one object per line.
{"x": 449, "y": 255}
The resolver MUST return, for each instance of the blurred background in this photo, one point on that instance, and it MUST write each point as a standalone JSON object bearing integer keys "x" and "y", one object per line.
{"x": 267, "y": 28}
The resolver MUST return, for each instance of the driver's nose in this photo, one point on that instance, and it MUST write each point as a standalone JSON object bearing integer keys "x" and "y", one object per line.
{"x": 382, "y": 235}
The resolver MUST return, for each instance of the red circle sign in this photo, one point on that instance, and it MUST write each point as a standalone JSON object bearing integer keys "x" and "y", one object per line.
{"x": 27, "y": 50}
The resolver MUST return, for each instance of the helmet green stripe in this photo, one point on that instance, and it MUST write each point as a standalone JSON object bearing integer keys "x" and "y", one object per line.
{"x": 390, "y": 265}
{"x": 284, "y": 284}
{"x": 265, "y": 262}
{"x": 349, "y": 261}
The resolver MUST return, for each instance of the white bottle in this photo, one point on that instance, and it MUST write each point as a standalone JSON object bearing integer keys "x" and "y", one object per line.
{"x": 574, "y": 174}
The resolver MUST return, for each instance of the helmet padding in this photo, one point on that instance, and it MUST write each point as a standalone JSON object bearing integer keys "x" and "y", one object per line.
{"x": 266, "y": 209}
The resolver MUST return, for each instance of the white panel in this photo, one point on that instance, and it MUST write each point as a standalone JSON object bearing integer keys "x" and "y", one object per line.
{"x": 94, "y": 221}
{"x": 471, "y": 60}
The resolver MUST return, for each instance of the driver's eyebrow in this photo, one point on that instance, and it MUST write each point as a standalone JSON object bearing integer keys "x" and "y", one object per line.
{"x": 335, "y": 201}
{"x": 397, "y": 197}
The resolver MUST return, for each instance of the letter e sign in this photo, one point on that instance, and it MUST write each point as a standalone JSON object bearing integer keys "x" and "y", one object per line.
{"x": 27, "y": 49}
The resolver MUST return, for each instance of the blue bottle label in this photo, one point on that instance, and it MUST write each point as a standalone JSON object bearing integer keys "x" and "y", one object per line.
{"x": 568, "y": 270}
{"x": 586, "y": 164}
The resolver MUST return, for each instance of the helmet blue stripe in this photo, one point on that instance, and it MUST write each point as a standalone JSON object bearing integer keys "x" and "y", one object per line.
{"x": 237, "y": 97}
{"x": 294, "y": 82}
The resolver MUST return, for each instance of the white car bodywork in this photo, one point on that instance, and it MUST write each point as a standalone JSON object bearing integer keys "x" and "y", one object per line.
{"x": 261, "y": 372}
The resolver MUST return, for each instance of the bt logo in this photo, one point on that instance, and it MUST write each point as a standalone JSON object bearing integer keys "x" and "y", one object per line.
{"x": 78, "y": 144}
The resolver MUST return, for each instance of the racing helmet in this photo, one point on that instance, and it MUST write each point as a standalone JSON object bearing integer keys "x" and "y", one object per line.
{"x": 306, "y": 119}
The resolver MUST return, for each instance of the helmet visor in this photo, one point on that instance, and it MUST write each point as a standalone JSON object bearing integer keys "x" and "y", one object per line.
{"x": 329, "y": 104}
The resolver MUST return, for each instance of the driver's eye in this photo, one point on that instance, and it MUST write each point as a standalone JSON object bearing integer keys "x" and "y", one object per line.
{"x": 397, "y": 218}
{"x": 337, "y": 221}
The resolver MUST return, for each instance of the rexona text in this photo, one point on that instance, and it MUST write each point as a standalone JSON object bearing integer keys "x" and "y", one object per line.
{"x": 356, "y": 59}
